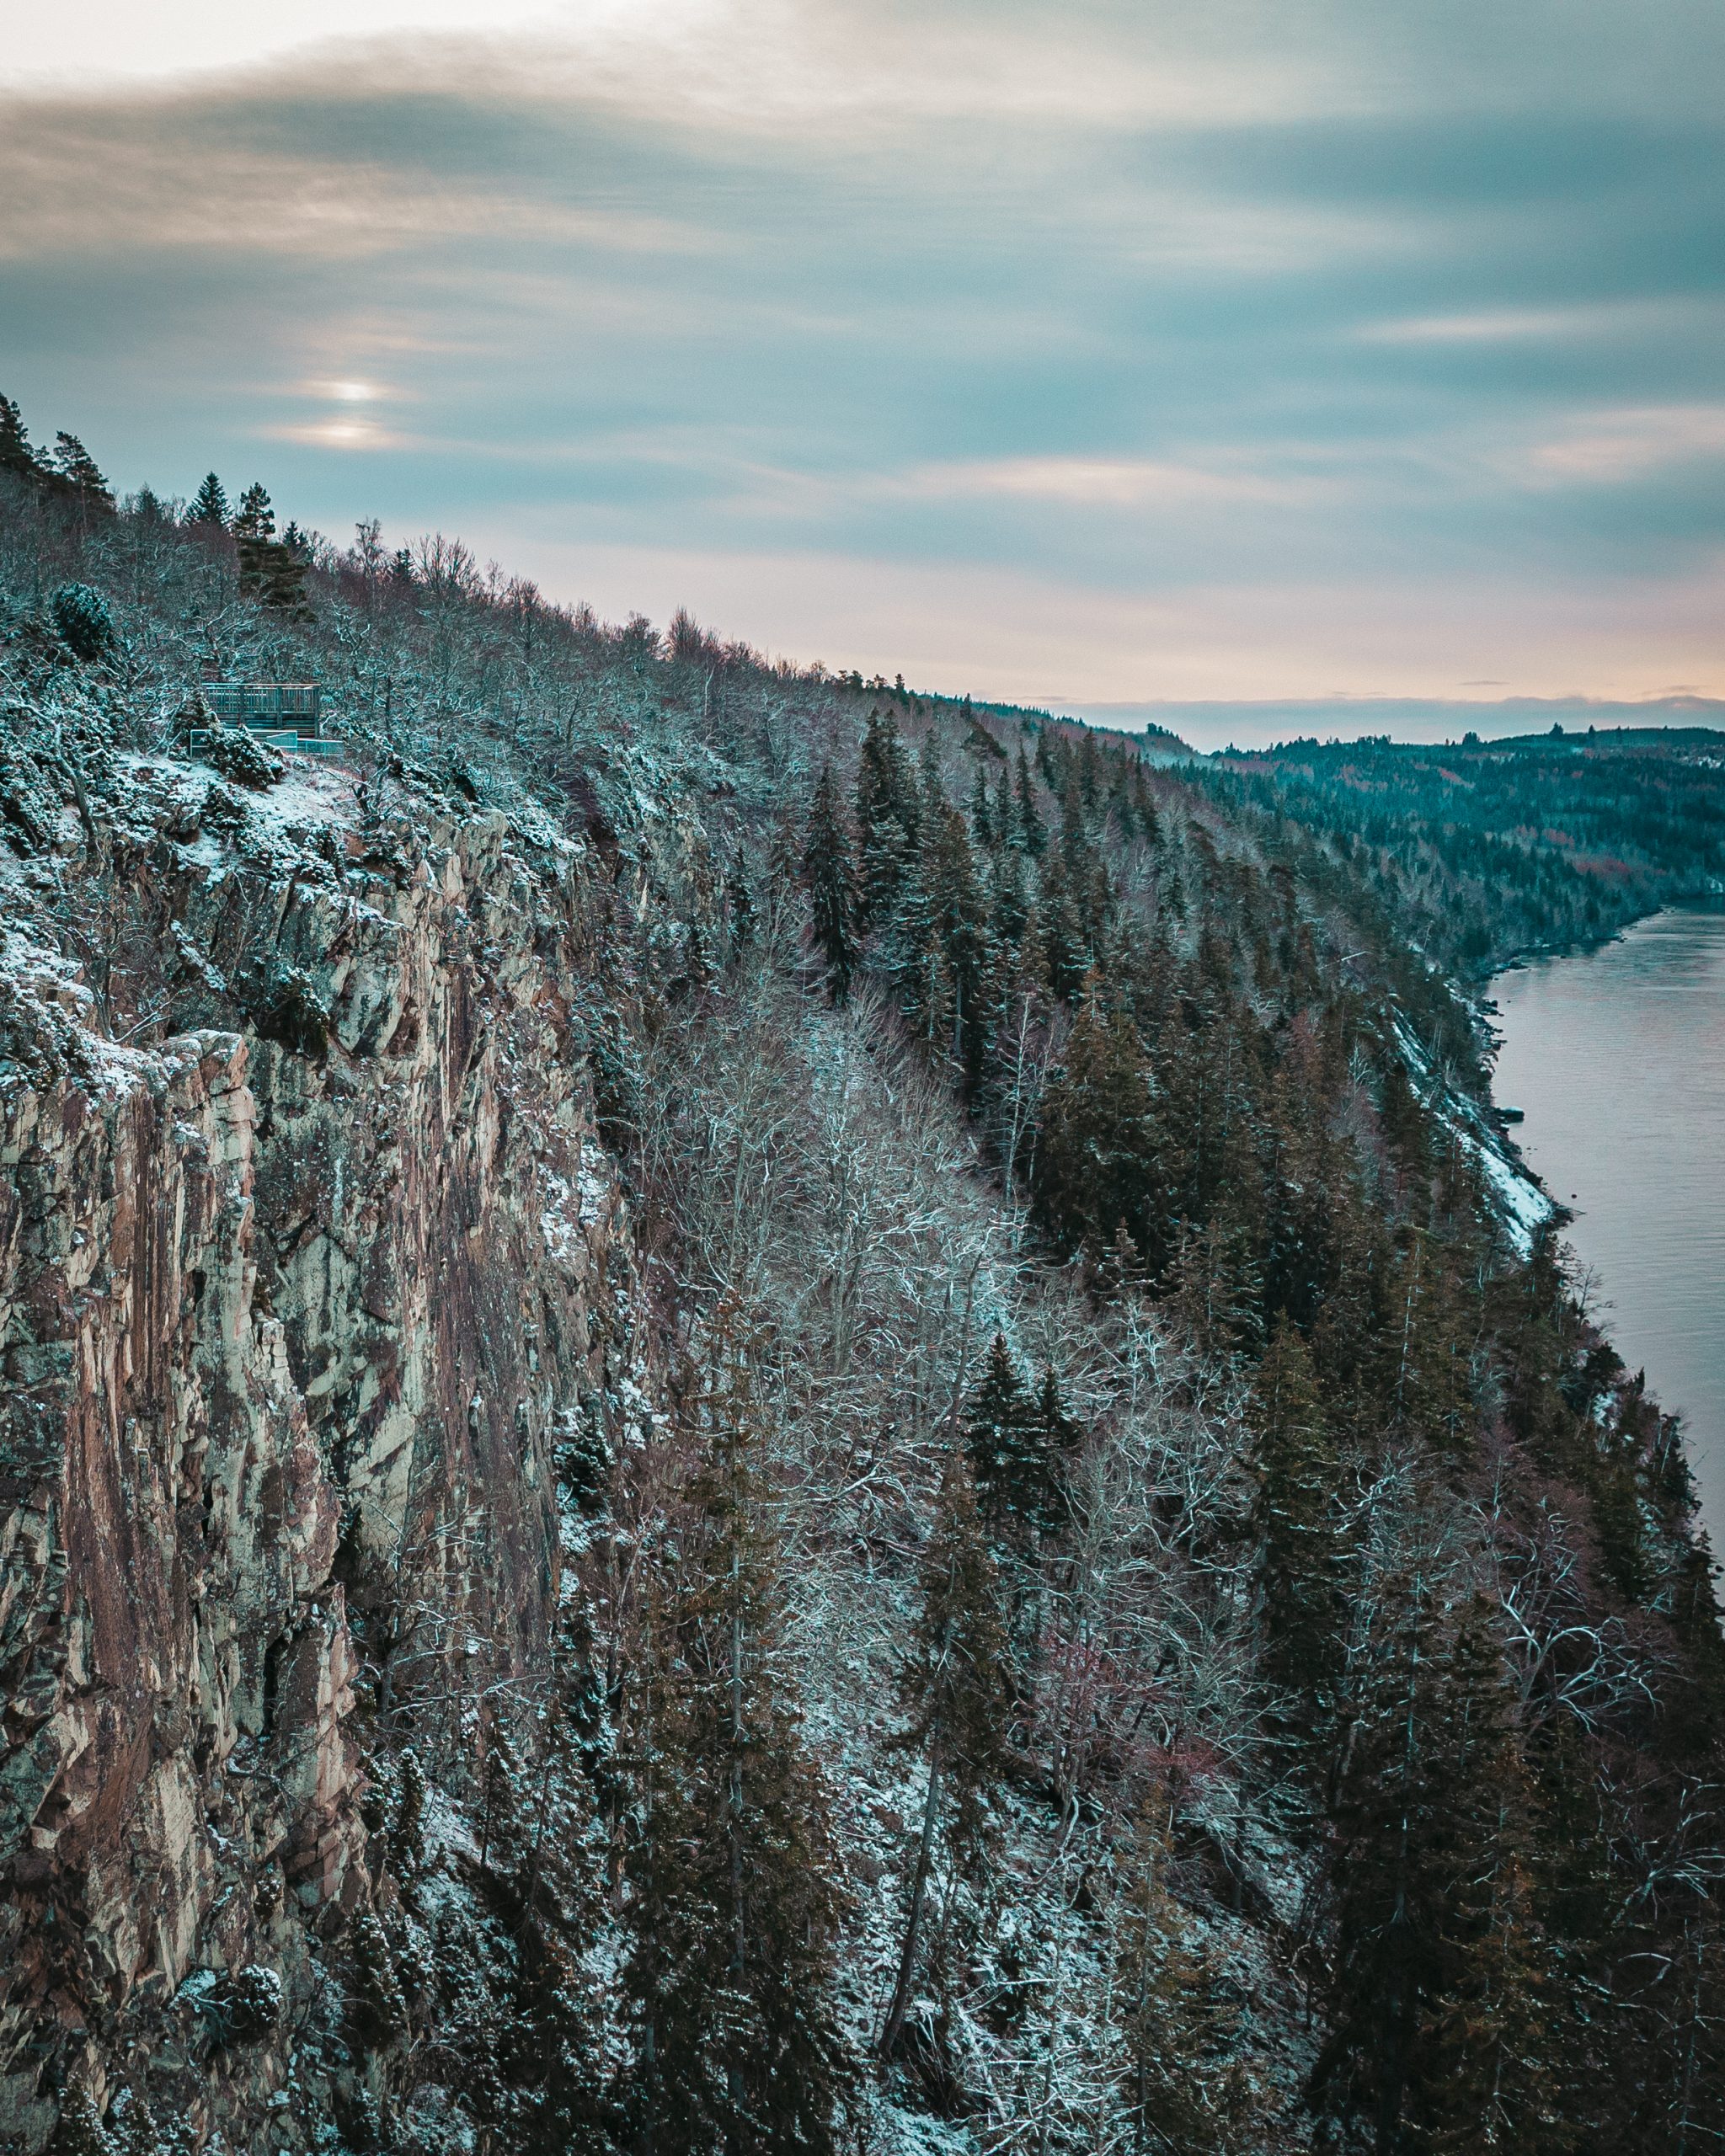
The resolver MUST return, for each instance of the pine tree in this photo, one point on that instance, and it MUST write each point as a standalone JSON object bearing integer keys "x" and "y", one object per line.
{"x": 1097, "y": 1143}
{"x": 957, "y": 1689}
{"x": 553, "y": 2060}
{"x": 1300, "y": 1571}
{"x": 889, "y": 819}
{"x": 254, "y": 518}
{"x": 1439, "y": 2035}
{"x": 733, "y": 1906}
{"x": 16, "y": 455}
{"x": 1188, "y": 2093}
{"x": 209, "y": 505}
{"x": 79, "y": 2130}
{"x": 76, "y": 466}
{"x": 831, "y": 880}
{"x": 1030, "y": 835}
{"x": 272, "y": 571}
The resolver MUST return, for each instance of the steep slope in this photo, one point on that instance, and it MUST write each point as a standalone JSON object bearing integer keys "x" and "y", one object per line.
{"x": 296, "y": 1311}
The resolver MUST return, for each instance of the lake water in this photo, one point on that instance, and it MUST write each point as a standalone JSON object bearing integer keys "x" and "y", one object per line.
{"x": 1618, "y": 1057}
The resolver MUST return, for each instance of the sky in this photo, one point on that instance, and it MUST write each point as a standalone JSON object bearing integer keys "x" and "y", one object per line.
{"x": 1234, "y": 357}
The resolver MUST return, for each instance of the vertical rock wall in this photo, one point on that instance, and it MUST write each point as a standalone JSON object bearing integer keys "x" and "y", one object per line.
{"x": 290, "y": 1317}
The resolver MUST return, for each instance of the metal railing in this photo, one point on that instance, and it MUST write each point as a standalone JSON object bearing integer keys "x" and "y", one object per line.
{"x": 268, "y": 703}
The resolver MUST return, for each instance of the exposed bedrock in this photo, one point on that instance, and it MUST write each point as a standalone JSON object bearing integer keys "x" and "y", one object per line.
{"x": 291, "y": 1318}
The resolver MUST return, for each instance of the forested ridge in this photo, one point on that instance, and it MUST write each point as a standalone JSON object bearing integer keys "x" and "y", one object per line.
{"x": 1487, "y": 850}
{"x": 1110, "y": 1595}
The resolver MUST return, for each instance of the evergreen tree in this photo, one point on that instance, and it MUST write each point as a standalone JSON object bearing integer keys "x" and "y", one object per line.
{"x": 1018, "y": 1443}
{"x": 79, "y": 2130}
{"x": 982, "y": 825}
{"x": 76, "y": 466}
{"x": 956, "y": 931}
{"x": 1440, "y": 2031}
{"x": 740, "y": 907}
{"x": 81, "y": 617}
{"x": 554, "y": 2061}
{"x": 407, "y": 1833}
{"x": 209, "y": 505}
{"x": 1001, "y": 1437}
{"x": 254, "y": 518}
{"x": 831, "y": 880}
{"x": 1298, "y": 1473}
{"x": 888, "y": 818}
{"x": 16, "y": 455}
{"x": 733, "y": 1907}
{"x": 1188, "y": 2092}
{"x": 1097, "y": 1149}
{"x": 957, "y": 1689}
{"x": 378, "y": 2012}
{"x": 1030, "y": 834}
{"x": 1058, "y": 926}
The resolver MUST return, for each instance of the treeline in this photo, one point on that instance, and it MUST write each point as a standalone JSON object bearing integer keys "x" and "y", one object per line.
{"x": 1484, "y": 849}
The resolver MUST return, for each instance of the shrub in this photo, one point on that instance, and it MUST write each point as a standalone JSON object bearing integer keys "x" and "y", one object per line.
{"x": 82, "y": 620}
{"x": 241, "y": 757}
{"x": 293, "y": 1012}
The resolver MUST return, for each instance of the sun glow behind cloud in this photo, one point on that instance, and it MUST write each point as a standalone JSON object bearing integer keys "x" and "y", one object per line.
{"x": 1310, "y": 346}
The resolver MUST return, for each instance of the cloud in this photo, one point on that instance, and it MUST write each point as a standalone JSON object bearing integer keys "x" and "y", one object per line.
{"x": 1141, "y": 311}
{"x": 174, "y": 175}
{"x": 1609, "y": 447}
{"x": 1103, "y": 483}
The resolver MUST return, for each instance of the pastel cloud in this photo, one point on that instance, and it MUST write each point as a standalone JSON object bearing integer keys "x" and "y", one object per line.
{"x": 1304, "y": 341}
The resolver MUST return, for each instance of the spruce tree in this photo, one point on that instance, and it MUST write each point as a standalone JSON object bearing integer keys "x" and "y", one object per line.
{"x": 74, "y": 465}
{"x": 1299, "y": 1580}
{"x": 982, "y": 825}
{"x": 1097, "y": 1143}
{"x": 1439, "y": 2032}
{"x": 956, "y": 929}
{"x": 1188, "y": 2092}
{"x": 1484, "y": 2076}
{"x": 831, "y": 879}
{"x": 1060, "y": 931}
{"x": 209, "y": 505}
{"x": 889, "y": 821}
{"x": 1030, "y": 834}
{"x": 1001, "y": 1438}
{"x": 255, "y": 517}
{"x": 733, "y": 1904}
{"x": 16, "y": 455}
{"x": 1018, "y": 1443}
{"x": 956, "y": 1688}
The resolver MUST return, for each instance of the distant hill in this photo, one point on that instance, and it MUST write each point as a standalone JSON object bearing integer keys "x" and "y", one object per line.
{"x": 1487, "y": 848}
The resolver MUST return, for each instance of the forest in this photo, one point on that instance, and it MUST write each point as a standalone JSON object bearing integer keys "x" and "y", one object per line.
{"x": 1109, "y": 1593}
{"x": 1486, "y": 850}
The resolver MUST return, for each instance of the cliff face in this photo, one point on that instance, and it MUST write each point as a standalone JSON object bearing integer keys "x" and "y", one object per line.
{"x": 295, "y": 1311}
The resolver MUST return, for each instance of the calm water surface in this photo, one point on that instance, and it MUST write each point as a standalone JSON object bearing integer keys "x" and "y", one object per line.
{"x": 1618, "y": 1059}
